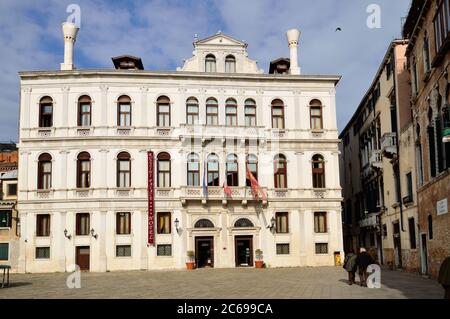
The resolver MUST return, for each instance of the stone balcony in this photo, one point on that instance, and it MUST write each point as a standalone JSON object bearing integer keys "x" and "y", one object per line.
{"x": 376, "y": 159}
{"x": 389, "y": 144}
{"x": 221, "y": 132}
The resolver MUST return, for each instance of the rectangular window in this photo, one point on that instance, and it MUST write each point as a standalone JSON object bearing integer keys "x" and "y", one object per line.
{"x": 4, "y": 251}
{"x": 5, "y": 218}
{"x": 409, "y": 186}
{"x": 124, "y": 173}
{"x": 11, "y": 189}
{"x": 163, "y": 223}
{"x": 124, "y": 114}
{"x": 282, "y": 223}
{"x": 84, "y": 117}
{"x": 441, "y": 24}
{"x": 321, "y": 248}
{"x": 82, "y": 224}
{"x": 282, "y": 249}
{"x": 212, "y": 115}
{"x": 250, "y": 116}
{"x": 123, "y": 223}
{"x": 123, "y": 251}
{"x": 320, "y": 222}
{"x": 42, "y": 252}
{"x": 43, "y": 225}
{"x": 412, "y": 233}
{"x": 164, "y": 250}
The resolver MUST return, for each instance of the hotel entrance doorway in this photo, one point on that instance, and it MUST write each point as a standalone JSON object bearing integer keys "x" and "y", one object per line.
{"x": 243, "y": 246}
{"x": 204, "y": 251}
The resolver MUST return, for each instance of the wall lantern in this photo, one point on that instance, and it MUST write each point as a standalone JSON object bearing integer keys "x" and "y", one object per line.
{"x": 66, "y": 234}
{"x": 93, "y": 234}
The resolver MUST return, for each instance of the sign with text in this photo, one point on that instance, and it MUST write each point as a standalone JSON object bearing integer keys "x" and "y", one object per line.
{"x": 442, "y": 207}
{"x": 151, "y": 199}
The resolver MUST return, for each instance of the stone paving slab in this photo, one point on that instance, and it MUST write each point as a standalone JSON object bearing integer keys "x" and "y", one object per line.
{"x": 242, "y": 283}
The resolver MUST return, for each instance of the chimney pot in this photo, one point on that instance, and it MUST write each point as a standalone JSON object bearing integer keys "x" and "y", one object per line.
{"x": 292, "y": 36}
{"x": 70, "y": 31}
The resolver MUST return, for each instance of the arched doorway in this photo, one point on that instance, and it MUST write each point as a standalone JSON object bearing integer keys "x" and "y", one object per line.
{"x": 243, "y": 244}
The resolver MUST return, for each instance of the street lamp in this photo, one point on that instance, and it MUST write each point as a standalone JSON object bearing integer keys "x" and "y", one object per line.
{"x": 66, "y": 234}
{"x": 176, "y": 222}
{"x": 272, "y": 223}
{"x": 93, "y": 234}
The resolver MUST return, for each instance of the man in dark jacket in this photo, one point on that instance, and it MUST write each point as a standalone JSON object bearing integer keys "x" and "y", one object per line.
{"x": 444, "y": 277}
{"x": 363, "y": 260}
{"x": 350, "y": 266}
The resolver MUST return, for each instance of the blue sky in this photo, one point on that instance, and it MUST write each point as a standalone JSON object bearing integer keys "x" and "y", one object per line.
{"x": 161, "y": 33}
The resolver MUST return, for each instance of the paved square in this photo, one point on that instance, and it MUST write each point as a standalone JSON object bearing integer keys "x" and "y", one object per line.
{"x": 321, "y": 282}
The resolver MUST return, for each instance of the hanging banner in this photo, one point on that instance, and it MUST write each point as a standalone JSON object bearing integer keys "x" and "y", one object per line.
{"x": 151, "y": 199}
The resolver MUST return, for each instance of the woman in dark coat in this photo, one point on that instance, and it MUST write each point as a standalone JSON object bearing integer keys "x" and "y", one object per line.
{"x": 350, "y": 266}
{"x": 363, "y": 260}
{"x": 444, "y": 277}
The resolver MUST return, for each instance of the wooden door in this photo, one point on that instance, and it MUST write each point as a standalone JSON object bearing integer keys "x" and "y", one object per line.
{"x": 83, "y": 257}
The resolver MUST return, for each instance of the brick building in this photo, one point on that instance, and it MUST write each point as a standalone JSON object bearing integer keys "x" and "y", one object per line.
{"x": 428, "y": 29}
{"x": 8, "y": 157}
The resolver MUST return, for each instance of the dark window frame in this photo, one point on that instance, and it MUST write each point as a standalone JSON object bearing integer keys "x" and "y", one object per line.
{"x": 83, "y": 175}
{"x": 124, "y": 100}
{"x": 79, "y": 230}
{"x": 45, "y": 118}
{"x": 123, "y": 157}
{"x": 126, "y": 217}
{"x": 316, "y": 105}
{"x": 161, "y": 228}
{"x": 232, "y": 175}
{"x": 43, "y": 225}
{"x": 278, "y": 104}
{"x": 280, "y": 171}
{"x": 317, "y": 225}
{"x": 163, "y": 157}
{"x": 280, "y": 217}
{"x": 213, "y": 176}
{"x": 82, "y": 114}
{"x": 163, "y": 118}
{"x": 318, "y": 173}
{"x": 44, "y": 176}
{"x": 212, "y": 117}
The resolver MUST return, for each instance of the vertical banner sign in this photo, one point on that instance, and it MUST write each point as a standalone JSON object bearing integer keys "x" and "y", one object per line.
{"x": 151, "y": 199}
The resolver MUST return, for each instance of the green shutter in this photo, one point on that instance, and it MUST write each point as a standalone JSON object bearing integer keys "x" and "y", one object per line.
{"x": 4, "y": 251}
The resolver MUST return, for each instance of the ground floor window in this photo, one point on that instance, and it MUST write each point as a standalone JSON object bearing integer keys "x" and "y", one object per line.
{"x": 123, "y": 251}
{"x": 4, "y": 251}
{"x": 164, "y": 250}
{"x": 42, "y": 252}
{"x": 321, "y": 248}
{"x": 5, "y": 218}
{"x": 412, "y": 233}
{"x": 282, "y": 249}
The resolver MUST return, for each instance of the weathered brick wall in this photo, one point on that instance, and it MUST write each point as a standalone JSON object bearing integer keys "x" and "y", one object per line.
{"x": 411, "y": 260}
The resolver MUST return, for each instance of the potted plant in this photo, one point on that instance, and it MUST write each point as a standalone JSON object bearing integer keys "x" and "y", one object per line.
{"x": 259, "y": 263}
{"x": 190, "y": 264}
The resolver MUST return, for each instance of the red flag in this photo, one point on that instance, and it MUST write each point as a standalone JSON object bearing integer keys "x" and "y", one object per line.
{"x": 256, "y": 189}
{"x": 226, "y": 189}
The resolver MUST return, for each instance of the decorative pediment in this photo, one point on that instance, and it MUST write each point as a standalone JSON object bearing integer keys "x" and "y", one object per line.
{"x": 220, "y": 39}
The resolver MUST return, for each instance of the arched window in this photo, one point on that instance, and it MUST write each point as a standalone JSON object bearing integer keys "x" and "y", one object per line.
{"x": 431, "y": 143}
{"x": 252, "y": 166}
{"x": 318, "y": 171}
{"x": 163, "y": 111}
{"x": 277, "y": 114}
{"x": 210, "y": 63}
{"x": 124, "y": 111}
{"x": 232, "y": 170}
{"x": 45, "y": 171}
{"x": 243, "y": 222}
{"x": 213, "y": 170}
{"x": 84, "y": 111}
{"x": 163, "y": 167}
{"x": 230, "y": 64}
{"x": 315, "y": 109}
{"x": 123, "y": 170}
{"x": 212, "y": 111}
{"x": 193, "y": 170}
{"x": 192, "y": 111}
{"x": 84, "y": 170}
{"x": 204, "y": 223}
{"x": 250, "y": 112}
{"x": 231, "y": 112}
{"x": 46, "y": 112}
{"x": 280, "y": 171}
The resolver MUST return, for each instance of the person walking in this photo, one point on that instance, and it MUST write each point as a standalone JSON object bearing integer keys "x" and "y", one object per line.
{"x": 350, "y": 266}
{"x": 363, "y": 260}
{"x": 444, "y": 277}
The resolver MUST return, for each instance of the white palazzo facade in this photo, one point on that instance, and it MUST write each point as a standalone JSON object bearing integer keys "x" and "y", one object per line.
{"x": 83, "y": 170}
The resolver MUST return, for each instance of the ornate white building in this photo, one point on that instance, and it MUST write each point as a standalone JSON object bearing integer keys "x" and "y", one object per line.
{"x": 85, "y": 189}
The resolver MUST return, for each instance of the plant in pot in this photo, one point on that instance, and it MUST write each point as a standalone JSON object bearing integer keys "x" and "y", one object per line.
{"x": 259, "y": 263}
{"x": 190, "y": 263}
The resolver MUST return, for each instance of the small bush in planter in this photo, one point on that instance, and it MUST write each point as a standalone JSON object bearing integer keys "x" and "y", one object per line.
{"x": 259, "y": 263}
{"x": 191, "y": 259}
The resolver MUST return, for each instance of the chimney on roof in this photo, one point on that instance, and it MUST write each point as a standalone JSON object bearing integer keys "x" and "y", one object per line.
{"x": 70, "y": 31}
{"x": 292, "y": 36}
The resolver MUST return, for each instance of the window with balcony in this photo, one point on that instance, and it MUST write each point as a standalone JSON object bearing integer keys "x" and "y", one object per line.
{"x": 252, "y": 166}
{"x": 84, "y": 111}
{"x": 163, "y": 111}
{"x": 84, "y": 170}
{"x": 192, "y": 111}
{"x": 212, "y": 112}
{"x": 163, "y": 167}
{"x": 315, "y": 108}
{"x": 250, "y": 113}
{"x": 231, "y": 112}
{"x": 280, "y": 175}
{"x": 123, "y": 170}
{"x": 123, "y": 223}
{"x": 282, "y": 223}
{"x": 318, "y": 171}
{"x": 43, "y": 225}
{"x": 164, "y": 223}
{"x": 44, "y": 171}
{"x": 193, "y": 170}
{"x": 320, "y": 222}
{"x": 232, "y": 170}
{"x": 213, "y": 170}
{"x": 277, "y": 114}
{"x": 230, "y": 64}
{"x": 124, "y": 111}
{"x": 46, "y": 112}
{"x": 210, "y": 63}
{"x": 82, "y": 224}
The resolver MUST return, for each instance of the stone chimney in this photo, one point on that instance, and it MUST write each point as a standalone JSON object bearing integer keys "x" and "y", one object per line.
{"x": 70, "y": 31}
{"x": 292, "y": 36}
